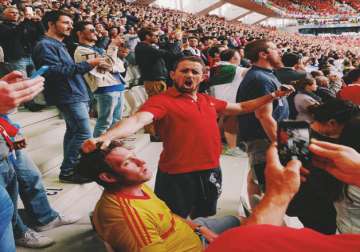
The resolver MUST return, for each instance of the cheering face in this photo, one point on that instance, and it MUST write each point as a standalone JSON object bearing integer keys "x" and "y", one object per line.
{"x": 187, "y": 76}
{"x": 125, "y": 163}
{"x": 274, "y": 57}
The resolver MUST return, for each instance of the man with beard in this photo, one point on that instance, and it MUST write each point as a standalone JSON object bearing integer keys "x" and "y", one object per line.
{"x": 258, "y": 129}
{"x": 65, "y": 88}
{"x": 189, "y": 176}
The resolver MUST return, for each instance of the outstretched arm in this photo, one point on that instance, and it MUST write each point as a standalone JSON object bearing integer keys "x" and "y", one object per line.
{"x": 122, "y": 129}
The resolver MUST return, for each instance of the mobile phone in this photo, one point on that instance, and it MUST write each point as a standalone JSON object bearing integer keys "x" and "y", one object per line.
{"x": 42, "y": 70}
{"x": 285, "y": 88}
{"x": 293, "y": 139}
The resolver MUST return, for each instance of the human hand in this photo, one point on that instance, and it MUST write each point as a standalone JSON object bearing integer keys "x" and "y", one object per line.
{"x": 14, "y": 90}
{"x": 340, "y": 161}
{"x": 284, "y": 90}
{"x": 209, "y": 235}
{"x": 282, "y": 183}
{"x": 91, "y": 144}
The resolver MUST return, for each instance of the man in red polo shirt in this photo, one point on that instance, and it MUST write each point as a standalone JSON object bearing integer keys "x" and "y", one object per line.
{"x": 189, "y": 176}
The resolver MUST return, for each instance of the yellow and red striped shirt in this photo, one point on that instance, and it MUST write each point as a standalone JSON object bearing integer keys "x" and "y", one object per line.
{"x": 130, "y": 223}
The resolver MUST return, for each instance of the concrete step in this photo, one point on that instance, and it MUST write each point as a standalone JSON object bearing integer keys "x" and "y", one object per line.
{"x": 25, "y": 118}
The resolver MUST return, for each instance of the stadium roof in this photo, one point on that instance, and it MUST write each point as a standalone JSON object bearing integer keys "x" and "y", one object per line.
{"x": 246, "y": 11}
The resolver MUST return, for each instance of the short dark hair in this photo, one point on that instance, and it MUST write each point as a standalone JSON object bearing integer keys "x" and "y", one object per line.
{"x": 53, "y": 17}
{"x": 189, "y": 58}
{"x": 143, "y": 32}
{"x": 80, "y": 26}
{"x": 339, "y": 110}
{"x": 92, "y": 164}
{"x": 253, "y": 49}
{"x": 227, "y": 54}
{"x": 290, "y": 59}
{"x": 352, "y": 76}
{"x": 214, "y": 50}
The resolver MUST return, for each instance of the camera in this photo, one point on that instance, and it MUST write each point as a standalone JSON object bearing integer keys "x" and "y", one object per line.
{"x": 293, "y": 139}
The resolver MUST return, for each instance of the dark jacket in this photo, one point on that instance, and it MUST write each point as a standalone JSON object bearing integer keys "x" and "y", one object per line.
{"x": 152, "y": 61}
{"x": 64, "y": 82}
{"x": 18, "y": 40}
{"x": 286, "y": 75}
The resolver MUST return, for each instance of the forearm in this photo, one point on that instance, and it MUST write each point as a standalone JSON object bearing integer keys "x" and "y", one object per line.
{"x": 270, "y": 127}
{"x": 128, "y": 126}
{"x": 252, "y": 105}
{"x": 270, "y": 210}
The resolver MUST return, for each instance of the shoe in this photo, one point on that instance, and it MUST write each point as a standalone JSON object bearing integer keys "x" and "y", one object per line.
{"x": 34, "y": 107}
{"x": 59, "y": 221}
{"x": 235, "y": 152}
{"x": 74, "y": 179}
{"x": 32, "y": 239}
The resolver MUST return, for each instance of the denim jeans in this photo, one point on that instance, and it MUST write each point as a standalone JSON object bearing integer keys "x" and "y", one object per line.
{"x": 25, "y": 65}
{"x": 6, "y": 212}
{"x": 110, "y": 107}
{"x": 9, "y": 182}
{"x": 31, "y": 189}
{"x": 77, "y": 121}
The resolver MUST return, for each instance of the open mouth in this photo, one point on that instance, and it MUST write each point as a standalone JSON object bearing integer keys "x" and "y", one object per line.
{"x": 188, "y": 83}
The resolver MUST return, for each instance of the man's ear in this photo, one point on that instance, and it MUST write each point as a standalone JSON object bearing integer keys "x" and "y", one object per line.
{"x": 262, "y": 55}
{"x": 172, "y": 73}
{"x": 107, "y": 177}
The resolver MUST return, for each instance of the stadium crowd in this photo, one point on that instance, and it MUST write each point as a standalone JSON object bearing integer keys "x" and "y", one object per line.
{"x": 201, "y": 73}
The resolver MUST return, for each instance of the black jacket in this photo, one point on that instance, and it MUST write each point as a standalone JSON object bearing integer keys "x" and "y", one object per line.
{"x": 152, "y": 61}
{"x": 18, "y": 40}
{"x": 286, "y": 75}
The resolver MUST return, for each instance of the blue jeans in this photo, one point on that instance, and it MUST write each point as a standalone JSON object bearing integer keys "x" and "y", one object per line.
{"x": 25, "y": 65}
{"x": 6, "y": 212}
{"x": 9, "y": 182}
{"x": 77, "y": 121}
{"x": 109, "y": 106}
{"x": 31, "y": 189}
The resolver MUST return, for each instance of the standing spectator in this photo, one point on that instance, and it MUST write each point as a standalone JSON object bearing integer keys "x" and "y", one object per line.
{"x": 18, "y": 41}
{"x": 225, "y": 79}
{"x": 258, "y": 129}
{"x": 105, "y": 80}
{"x": 65, "y": 88}
{"x": 152, "y": 64}
{"x": 305, "y": 98}
{"x": 287, "y": 74}
{"x": 189, "y": 179}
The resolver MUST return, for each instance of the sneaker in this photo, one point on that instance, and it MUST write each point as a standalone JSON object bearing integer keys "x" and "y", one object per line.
{"x": 74, "y": 179}
{"x": 235, "y": 152}
{"x": 59, "y": 221}
{"x": 32, "y": 239}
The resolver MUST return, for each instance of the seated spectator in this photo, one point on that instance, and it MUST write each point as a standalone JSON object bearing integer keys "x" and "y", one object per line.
{"x": 130, "y": 217}
{"x": 305, "y": 98}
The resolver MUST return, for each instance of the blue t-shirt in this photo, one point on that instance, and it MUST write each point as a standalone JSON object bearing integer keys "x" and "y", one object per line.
{"x": 256, "y": 83}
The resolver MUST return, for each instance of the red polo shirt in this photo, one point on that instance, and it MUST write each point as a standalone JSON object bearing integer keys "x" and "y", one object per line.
{"x": 350, "y": 93}
{"x": 189, "y": 130}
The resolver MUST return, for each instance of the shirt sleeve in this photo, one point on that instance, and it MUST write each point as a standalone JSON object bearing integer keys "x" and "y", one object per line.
{"x": 156, "y": 105}
{"x": 220, "y": 105}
